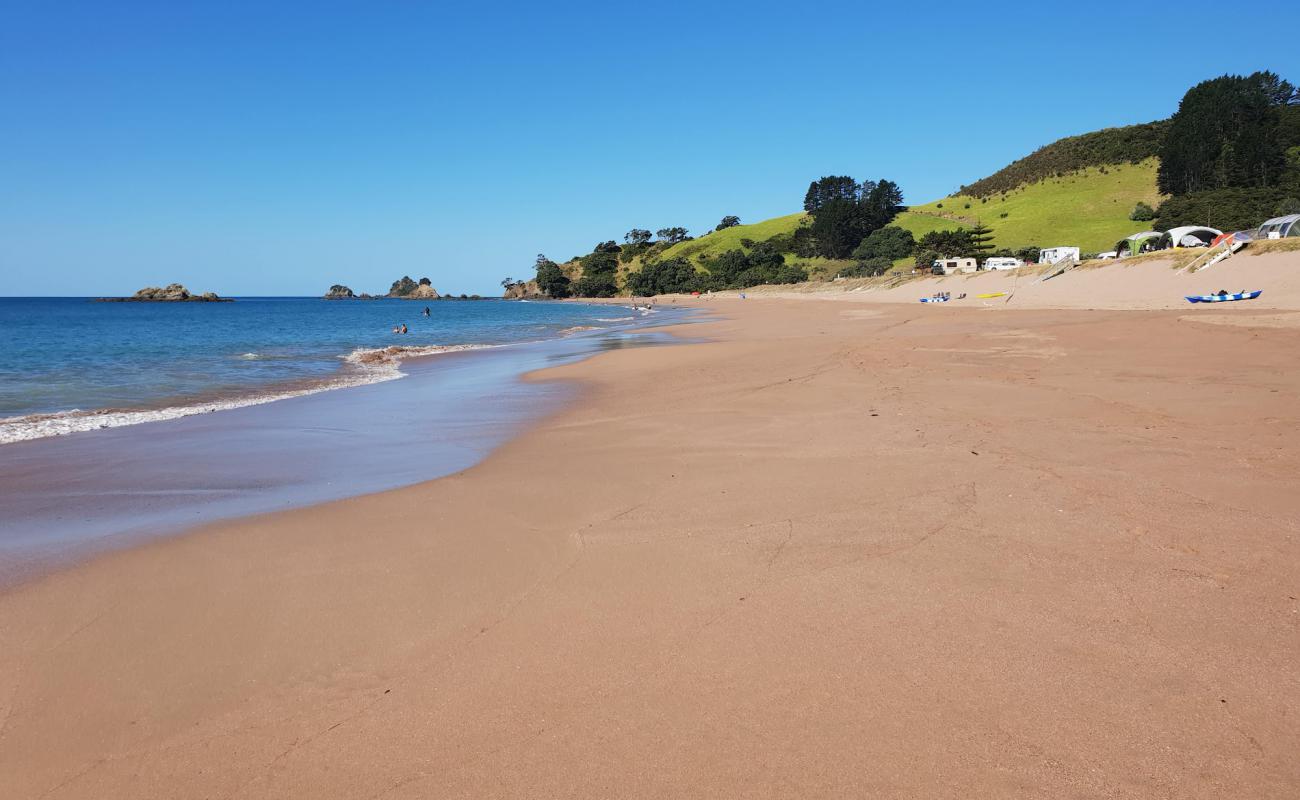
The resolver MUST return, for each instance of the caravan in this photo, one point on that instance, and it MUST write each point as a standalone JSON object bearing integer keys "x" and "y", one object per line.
{"x": 1000, "y": 262}
{"x": 1055, "y": 255}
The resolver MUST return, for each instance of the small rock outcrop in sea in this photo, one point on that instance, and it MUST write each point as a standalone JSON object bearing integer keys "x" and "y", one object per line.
{"x": 522, "y": 290}
{"x": 339, "y": 292}
{"x": 407, "y": 289}
{"x": 171, "y": 293}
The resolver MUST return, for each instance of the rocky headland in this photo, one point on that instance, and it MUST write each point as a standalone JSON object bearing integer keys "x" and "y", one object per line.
{"x": 522, "y": 290}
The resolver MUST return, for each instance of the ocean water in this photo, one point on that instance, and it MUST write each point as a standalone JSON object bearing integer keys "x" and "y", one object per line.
{"x": 312, "y": 406}
{"x": 71, "y": 364}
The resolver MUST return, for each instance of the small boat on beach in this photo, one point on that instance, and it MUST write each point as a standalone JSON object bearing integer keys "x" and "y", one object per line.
{"x": 1223, "y": 298}
{"x": 934, "y": 299}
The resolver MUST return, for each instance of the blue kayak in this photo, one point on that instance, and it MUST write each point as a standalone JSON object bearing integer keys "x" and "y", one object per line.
{"x": 934, "y": 299}
{"x": 1223, "y": 298}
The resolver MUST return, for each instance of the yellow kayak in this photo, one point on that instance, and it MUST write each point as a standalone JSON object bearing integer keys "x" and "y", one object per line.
{"x": 991, "y": 294}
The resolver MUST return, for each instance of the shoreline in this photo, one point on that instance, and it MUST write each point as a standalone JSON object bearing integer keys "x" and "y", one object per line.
{"x": 833, "y": 550}
{"x": 62, "y": 506}
{"x": 360, "y": 366}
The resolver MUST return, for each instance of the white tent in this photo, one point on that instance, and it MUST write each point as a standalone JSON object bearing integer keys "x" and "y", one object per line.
{"x": 1282, "y": 226}
{"x": 1189, "y": 236}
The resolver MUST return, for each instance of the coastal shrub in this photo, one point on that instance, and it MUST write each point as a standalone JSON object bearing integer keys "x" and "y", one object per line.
{"x": 595, "y": 286}
{"x": 671, "y": 276}
{"x": 736, "y": 269}
{"x": 867, "y": 268}
{"x": 672, "y": 235}
{"x": 637, "y": 236}
{"x": 1029, "y": 255}
{"x": 1226, "y": 209}
{"x": 889, "y": 242}
{"x": 782, "y": 242}
{"x": 551, "y": 280}
{"x": 948, "y": 244}
{"x": 1287, "y": 205}
{"x": 1142, "y": 212}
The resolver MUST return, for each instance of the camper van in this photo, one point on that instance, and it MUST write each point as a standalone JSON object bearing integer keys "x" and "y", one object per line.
{"x": 1054, "y": 255}
{"x": 948, "y": 266}
{"x": 1002, "y": 263}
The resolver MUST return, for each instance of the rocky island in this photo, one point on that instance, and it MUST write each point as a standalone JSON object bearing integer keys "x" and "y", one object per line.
{"x": 339, "y": 292}
{"x": 171, "y": 293}
{"x": 407, "y": 289}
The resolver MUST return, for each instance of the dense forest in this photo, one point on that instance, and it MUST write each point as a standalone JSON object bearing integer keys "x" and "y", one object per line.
{"x": 1231, "y": 155}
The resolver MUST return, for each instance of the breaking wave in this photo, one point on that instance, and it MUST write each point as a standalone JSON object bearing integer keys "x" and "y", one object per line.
{"x": 362, "y": 367}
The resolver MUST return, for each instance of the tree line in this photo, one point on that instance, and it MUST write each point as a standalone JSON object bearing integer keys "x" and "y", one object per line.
{"x": 1231, "y": 155}
{"x": 842, "y": 213}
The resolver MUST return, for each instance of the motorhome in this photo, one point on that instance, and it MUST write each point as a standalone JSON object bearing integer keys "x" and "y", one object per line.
{"x": 1000, "y": 262}
{"x": 947, "y": 266}
{"x": 1054, "y": 255}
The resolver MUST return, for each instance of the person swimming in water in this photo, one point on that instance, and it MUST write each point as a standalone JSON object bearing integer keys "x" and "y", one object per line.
{"x": 426, "y": 311}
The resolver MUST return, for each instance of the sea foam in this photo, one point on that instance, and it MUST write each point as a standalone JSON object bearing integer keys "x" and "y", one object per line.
{"x": 363, "y": 367}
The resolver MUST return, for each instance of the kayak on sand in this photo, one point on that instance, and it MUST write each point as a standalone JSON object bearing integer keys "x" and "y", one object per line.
{"x": 1223, "y": 298}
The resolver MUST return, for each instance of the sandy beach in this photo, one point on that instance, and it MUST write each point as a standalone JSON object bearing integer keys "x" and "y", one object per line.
{"x": 836, "y": 550}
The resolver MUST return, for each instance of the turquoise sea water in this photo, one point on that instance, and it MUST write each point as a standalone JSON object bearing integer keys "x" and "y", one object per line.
{"x": 348, "y": 417}
{"x": 69, "y": 360}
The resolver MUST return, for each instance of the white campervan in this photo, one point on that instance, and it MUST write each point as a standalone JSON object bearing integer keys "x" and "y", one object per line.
{"x": 1002, "y": 263}
{"x": 1053, "y": 255}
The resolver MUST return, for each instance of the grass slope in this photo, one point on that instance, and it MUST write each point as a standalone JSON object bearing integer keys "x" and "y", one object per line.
{"x": 719, "y": 242}
{"x": 1088, "y": 208}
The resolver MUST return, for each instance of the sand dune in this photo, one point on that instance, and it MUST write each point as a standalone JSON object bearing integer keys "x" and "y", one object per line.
{"x": 1144, "y": 284}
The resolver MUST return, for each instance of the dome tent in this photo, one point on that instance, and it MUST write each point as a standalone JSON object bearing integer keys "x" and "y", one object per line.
{"x": 1188, "y": 236}
{"x": 1286, "y": 226}
{"x": 1143, "y": 242}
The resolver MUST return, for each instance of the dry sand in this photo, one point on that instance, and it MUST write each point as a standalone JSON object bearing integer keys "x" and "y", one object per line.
{"x": 1147, "y": 283}
{"x": 838, "y": 551}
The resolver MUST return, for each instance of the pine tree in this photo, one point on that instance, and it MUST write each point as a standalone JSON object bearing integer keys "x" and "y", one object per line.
{"x": 981, "y": 240}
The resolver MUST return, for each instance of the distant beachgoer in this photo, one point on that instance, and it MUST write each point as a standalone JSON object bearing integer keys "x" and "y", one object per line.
{"x": 426, "y": 311}
{"x": 1222, "y": 293}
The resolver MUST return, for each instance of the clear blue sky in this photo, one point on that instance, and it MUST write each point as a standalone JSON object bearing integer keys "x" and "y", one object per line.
{"x": 280, "y": 147}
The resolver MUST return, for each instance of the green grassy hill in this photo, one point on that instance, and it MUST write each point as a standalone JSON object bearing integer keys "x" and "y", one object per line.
{"x": 1066, "y": 193}
{"x": 719, "y": 242}
{"x": 1088, "y": 208}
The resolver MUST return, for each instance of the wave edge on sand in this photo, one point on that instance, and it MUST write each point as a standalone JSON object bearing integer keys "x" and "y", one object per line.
{"x": 363, "y": 366}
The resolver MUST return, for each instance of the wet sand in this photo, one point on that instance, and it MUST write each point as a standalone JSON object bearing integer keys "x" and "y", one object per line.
{"x": 840, "y": 550}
